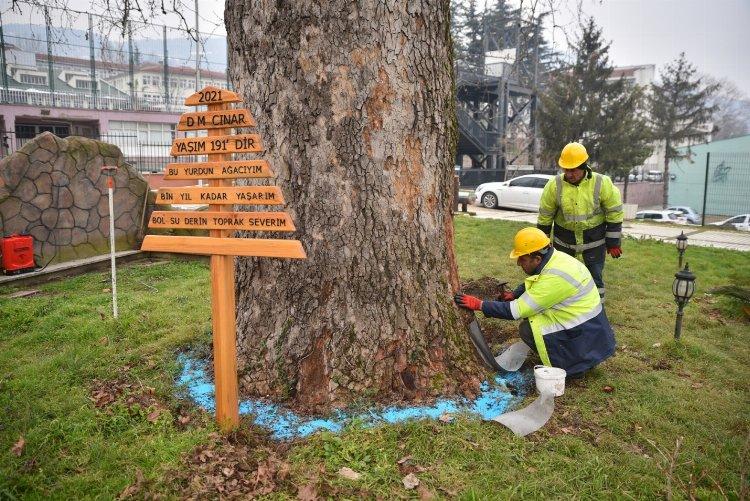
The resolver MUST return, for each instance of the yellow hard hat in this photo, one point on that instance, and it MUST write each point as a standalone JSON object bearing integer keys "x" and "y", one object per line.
{"x": 528, "y": 240}
{"x": 572, "y": 156}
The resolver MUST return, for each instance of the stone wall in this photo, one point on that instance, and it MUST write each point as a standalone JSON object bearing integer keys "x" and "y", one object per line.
{"x": 54, "y": 190}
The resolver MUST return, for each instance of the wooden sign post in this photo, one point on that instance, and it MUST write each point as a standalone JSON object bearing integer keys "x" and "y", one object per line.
{"x": 221, "y": 220}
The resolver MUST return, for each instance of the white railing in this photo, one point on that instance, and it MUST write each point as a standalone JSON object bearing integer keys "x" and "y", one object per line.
{"x": 84, "y": 100}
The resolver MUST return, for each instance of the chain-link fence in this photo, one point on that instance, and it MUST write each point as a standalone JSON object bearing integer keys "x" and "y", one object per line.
{"x": 63, "y": 58}
{"x": 715, "y": 185}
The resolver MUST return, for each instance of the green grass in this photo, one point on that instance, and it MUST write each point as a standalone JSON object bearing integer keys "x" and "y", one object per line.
{"x": 617, "y": 444}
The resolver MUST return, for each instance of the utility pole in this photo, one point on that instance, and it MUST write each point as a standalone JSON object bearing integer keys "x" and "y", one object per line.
{"x": 166, "y": 71}
{"x": 197, "y": 51}
{"x": 4, "y": 62}
{"x": 485, "y": 40}
{"x": 92, "y": 60}
{"x": 50, "y": 71}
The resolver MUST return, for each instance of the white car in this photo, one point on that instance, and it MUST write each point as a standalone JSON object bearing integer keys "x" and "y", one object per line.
{"x": 691, "y": 216}
{"x": 741, "y": 222}
{"x": 660, "y": 216}
{"x": 522, "y": 192}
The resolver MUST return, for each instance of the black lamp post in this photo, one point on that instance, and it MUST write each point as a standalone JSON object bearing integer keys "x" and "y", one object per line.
{"x": 681, "y": 246}
{"x": 683, "y": 289}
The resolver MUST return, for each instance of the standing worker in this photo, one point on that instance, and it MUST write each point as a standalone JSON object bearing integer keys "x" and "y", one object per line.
{"x": 564, "y": 320}
{"x": 586, "y": 211}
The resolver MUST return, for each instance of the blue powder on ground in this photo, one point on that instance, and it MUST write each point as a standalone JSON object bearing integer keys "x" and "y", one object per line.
{"x": 285, "y": 424}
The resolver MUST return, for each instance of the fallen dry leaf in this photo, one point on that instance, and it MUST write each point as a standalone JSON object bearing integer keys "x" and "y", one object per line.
{"x": 445, "y": 418}
{"x": 424, "y": 493}
{"x": 153, "y": 416}
{"x": 17, "y": 448}
{"x": 696, "y": 385}
{"x": 566, "y": 430}
{"x": 133, "y": 488}
{"x": 307, "y": 493}
{"x": 182, "y": 419}
{"x": 348, "y": 473}
{"x": 410, "y": 481}
{"x": 103, "y": 341}
{"x": 656, "y": 345}
{"x": 404, "y": 459}
{"x": 608, "y": 389}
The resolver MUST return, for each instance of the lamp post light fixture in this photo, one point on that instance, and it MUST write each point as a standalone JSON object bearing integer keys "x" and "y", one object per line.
{"x": 683, "y": 289}
{"x": 681, "y": 247}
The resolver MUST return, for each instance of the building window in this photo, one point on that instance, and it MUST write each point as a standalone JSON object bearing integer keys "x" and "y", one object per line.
{"x": 29, "y": 131}
{"x": 147, "y": 133}
{"x": 33, "y": 79}
{"x": 83, "y": 84}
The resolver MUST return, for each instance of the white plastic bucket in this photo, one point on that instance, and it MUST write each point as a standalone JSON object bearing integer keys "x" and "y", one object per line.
{"x": 549, "y": 380}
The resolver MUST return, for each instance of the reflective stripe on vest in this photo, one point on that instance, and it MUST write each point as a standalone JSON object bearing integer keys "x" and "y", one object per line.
{"x": 579, "y": 247}
{"x": 574, "y": 322}
{"x": 582, "y": 217}
{"x": 568, "y": 312}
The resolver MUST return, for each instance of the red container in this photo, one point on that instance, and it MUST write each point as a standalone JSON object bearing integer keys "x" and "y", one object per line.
{"x": 18, "y": 253}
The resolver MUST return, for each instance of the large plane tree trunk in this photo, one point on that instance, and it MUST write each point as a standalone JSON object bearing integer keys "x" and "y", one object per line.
{"x": 355, "y": 105}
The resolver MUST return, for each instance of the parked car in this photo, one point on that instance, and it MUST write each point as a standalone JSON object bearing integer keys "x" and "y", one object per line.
{"x": 660, "y": 216}
{"x": 635, "y": 177}
{"x": 522, "y": 192}
{"x": 654, "y": 175}
{"x": 741, "y": 222}
{"x": 691, "y": 216}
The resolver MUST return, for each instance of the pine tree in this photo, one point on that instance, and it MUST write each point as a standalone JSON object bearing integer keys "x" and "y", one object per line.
{"x": 625, "y": 138}
{"x": 607, "y": 116}
{"x": 500, "y": 22}
{"x": 680, "y": 111}
{"x": 474, "y": 34}
{"x": 458, "y": 21}
{"x": 573, "y": 103}
{"x": 534, "y": 55}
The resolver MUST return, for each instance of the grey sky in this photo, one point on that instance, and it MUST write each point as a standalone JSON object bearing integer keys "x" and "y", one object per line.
{"x": 712, "y": 33}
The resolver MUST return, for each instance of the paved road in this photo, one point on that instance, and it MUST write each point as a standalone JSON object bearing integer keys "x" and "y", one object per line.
{"x": 700, "y": 236}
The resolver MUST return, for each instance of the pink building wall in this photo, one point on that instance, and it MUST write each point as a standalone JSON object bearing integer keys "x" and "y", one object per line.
{"x": 10, "y": 113}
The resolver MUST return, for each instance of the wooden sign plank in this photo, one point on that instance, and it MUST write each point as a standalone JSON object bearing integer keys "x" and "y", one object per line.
{"x": 223, "y": 195}
{"x": 206, "y": 220}
{"x": 265, "y": 247}
{"x": 212, "y": 95}
{"x": 233, "y": 169}
{"x": 238, "y": 143}
{"x": 222, "y": 119}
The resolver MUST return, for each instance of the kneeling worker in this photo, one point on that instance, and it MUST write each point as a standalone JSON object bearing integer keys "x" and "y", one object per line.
{"x": 564, "y": 320}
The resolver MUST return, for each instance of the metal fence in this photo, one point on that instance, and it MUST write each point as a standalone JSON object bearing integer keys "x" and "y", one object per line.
{"x": 144, "y": 156}
{"x": 715, "y": 185}
{"x": 63, "y": 58}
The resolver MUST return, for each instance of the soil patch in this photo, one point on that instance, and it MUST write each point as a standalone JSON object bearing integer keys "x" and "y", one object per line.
{"x": 485, "y": 288}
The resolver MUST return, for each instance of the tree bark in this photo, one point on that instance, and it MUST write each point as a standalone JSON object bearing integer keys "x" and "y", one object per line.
{"x": 355, "y": 105}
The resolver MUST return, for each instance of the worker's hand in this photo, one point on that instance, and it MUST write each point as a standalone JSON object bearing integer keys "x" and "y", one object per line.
{"x": 615, "y": 252}
{"x": 466, "y": 301}
{"x": 506, "y": 296}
